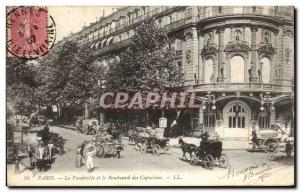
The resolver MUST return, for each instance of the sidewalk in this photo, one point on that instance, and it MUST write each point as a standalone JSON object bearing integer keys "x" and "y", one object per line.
{"x": 67, "y": 127}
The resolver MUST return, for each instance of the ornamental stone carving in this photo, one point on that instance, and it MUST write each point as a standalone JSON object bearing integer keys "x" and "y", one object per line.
{"x": 188, "y": 56}
{"x": 188, "y": 35}
{"x": 266, "y": 50}
{"x": 208, "y": 50}
{"x": 237, "y": 47}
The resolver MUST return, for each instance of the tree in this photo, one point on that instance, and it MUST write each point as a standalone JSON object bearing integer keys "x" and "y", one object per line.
{"x": 69, "y": 74}
{"x": 21, "y": 85}
{"x": 149, "y": 64}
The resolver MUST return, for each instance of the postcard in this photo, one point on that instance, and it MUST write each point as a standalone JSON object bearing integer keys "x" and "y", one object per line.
{"x": 150, "y": 96}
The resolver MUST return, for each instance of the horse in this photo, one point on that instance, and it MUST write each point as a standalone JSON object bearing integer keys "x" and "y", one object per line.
{"x": 186, "y": 148}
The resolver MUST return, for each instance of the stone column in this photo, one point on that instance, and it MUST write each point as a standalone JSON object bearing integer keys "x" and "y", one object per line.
{"x": 191, "y": 55}
{"x": 272, "y": 117}
{"x": 201, "y": 117}
{"x": 221, "y": 55}
{"x": 253, "y": 54}
{"x": 273, "y": 63}
{"x": 200, "y": 63}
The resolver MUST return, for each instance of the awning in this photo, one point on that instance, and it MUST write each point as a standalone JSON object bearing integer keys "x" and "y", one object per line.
{"x": 92, "y": 46}
{"x": 97, "y": 44}
{"x": 102, "y": 43}
{"x": 108, "y": 41}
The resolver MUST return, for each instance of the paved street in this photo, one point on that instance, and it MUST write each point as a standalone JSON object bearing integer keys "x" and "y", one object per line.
{"x": 136, "y": 161}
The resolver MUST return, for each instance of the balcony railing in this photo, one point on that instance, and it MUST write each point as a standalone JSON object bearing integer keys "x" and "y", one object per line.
{"x": 252, "y": 87}
{"x": 174, "y": 24}
{"x": 210, "y": 12}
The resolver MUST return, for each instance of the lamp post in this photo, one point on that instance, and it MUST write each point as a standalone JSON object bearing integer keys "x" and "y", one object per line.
{"x": 102, "y": 85}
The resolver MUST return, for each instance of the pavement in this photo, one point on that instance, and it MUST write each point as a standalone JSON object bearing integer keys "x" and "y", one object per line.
{"x": 269, "y": 168}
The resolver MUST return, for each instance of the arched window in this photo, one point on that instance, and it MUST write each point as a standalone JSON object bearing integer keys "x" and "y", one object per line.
{"x": 265, "y": 70}
{"x": 209, "y": 71}
{"x": 236, "y": 117}
{"x": 237, "y": 69}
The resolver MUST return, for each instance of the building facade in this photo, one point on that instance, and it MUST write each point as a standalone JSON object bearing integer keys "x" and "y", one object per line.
{"x": 239, "y": 59}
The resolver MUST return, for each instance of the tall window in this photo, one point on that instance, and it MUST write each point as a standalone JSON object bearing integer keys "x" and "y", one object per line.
{"x": 237, "y": 68}
{"x": 236, "y": 117}
{"x": 209, "y": 117}
{"x": 263, "y": 120}
{"x": 208, "y": 71}
{"x": 265, "y": 70}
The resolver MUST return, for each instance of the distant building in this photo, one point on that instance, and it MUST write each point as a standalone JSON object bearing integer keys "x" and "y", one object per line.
{"x": 240, "y": 58}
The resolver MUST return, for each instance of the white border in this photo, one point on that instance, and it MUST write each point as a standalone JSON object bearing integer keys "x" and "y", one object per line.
{"x": 106, "y": 3}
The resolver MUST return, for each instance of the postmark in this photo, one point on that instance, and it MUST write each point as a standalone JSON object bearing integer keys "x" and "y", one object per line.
{"x": 31, "y": 32}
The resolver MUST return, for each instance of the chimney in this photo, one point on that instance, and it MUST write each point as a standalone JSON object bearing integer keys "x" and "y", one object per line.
{"x": 113, "y": 9}
{"x": 103, "y": 13}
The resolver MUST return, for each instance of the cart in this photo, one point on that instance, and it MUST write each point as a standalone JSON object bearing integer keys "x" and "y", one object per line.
{"x": 87, "y": 126}
{"x": 155, "y": 146}
{"x": 209, "y": 154}
{"x": 106, "y": 146}
{"x": 57, "y": 143}
{"x": 148, "y": 140}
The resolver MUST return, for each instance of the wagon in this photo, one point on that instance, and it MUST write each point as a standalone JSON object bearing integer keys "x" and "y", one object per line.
{"x": 132, "y": 137}
{"x": 47, "y": 155}
{"x": 149, "y": 140}
{"x": 209, "y": 154}
{"x": 87, "y": 126}
{"x": 57, "y": 143}
{"x": 154, "y": 145}
{"x": 105, "y": 146}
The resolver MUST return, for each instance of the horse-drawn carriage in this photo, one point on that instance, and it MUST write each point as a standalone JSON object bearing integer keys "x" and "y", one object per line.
{"x": 149, "y": 140}
{"x": 57, "y": 143}
{"x": 107, "y": 146}
{"x": 270, "y": 140}
{"x": 87, "y": 126}
{"x": 209, "y": 153}
{"x": 40, "y": 156}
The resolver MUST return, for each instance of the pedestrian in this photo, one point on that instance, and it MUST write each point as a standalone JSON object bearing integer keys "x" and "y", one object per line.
{"x": 30, "y": 155}
{"x": 288, "y": 148}
{"x": 78, "y": 161}
{"x": 89, "y": 157}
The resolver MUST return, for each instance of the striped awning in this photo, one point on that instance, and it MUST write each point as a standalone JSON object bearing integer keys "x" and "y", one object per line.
{"x": 103, "y": 42}
{"x": 108, "y": 40}
{"x": 97, "y": 44}
{"x": 92, "y": 46}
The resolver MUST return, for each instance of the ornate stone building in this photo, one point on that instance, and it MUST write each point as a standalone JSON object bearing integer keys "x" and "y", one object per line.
{"x": 241, "y": 59}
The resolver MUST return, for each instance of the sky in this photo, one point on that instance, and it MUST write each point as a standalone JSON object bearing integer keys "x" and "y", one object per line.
{"x": 72, "y": 18}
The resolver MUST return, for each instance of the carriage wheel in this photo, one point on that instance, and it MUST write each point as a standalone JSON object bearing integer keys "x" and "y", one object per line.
{"x": 100, "y": 151}
{"x": 155, "y": 149}
{"x": 208, "y": 162}
{"x": 223, "y": 161}
{"x": 270, "y": 146}
{"x": 194, "y": 160}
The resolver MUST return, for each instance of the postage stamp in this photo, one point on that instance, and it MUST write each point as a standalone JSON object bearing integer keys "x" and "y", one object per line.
{"x": 30, "y": 32}
{"x": 151, "y": 96}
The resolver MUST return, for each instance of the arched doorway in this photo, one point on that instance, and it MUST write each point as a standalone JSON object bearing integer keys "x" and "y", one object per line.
{"x": 209, "y": 70}
{"x": 237, "y": 69}
{"x": 236, "y": 119}
{"x": 265, "y": 70}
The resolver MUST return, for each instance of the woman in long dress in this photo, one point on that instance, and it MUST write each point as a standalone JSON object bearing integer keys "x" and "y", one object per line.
{"x": 89, "y": 157}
